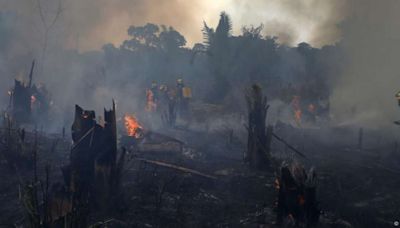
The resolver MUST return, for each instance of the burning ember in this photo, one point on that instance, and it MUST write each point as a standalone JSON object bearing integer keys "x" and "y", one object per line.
{"x": 277, "y": 184}
{"x": 133, "y": 128}
{"x": 297, "y": 109}
{"x": 33, "y": 99}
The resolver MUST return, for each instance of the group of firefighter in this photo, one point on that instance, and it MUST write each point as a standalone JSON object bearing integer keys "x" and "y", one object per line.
{"x": 164, "y": 99}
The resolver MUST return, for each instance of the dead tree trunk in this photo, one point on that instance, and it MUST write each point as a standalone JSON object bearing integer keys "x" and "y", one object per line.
{"x": 93, "y": 173}
{"x": 258, "y": 154}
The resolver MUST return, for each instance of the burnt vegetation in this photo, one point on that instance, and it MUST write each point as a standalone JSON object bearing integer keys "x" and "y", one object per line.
{"x": 212, "y": 150}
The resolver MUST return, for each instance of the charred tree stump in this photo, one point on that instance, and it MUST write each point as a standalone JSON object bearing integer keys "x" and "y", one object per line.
{"x": 105, "y": 161}
{"x": 258, "y": 154}
{"x": 29, "y": 102}
{"x": 21, "y": 103}
{"x": 297, "y": 196}
{"x": 93, "y": 173}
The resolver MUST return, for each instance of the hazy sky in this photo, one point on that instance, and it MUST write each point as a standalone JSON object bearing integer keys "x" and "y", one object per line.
{"x": 88, "y": 24}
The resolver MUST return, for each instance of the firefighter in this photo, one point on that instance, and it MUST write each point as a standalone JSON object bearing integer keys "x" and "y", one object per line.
{"x": 152, "y": 97}
{"x": 183, "y": 95}
{"x": 154, "y": 90}
{"x": 167, "y": 105}
{"x": 164, "y": 98}
{"x": 179, "y": 88}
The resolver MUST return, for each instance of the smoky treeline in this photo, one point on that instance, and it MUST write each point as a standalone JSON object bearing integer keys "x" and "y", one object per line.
{"x": 218, "y": 70}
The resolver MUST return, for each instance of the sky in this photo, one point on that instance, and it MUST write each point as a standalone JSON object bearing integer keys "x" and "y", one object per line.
{"x": 89, "y": 24}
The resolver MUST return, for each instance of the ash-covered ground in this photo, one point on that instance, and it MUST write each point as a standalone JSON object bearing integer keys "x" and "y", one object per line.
{"x": 357, "y": 184}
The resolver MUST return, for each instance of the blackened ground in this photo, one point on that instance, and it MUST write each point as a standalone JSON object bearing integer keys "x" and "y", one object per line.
{"x": 357, "y": 188}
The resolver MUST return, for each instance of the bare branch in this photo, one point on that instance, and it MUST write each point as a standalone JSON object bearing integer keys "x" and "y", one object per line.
{"x": 41, "y": 13}
{"x": 58, "y": 13}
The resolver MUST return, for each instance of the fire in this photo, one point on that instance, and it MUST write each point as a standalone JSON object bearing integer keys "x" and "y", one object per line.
{"x": 33, "y": 102}
{"x": 297, "y": 109}
{"x": 151, "y": 105}
{"x": 33, "y": 99}
{"x": 133, "y": 128}
{"x": 297, "y": 116}
{"x": 277, "y": 184}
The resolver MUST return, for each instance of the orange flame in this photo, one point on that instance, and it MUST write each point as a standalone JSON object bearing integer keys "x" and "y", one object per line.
{"x": 277, "y": 184}
{"x": 297, "y": 116}
{"x": 133, "y": 128}
{"x": 297, "y": 109}
{"x": 33, "y": 102}
{"x": 33, "y": 99}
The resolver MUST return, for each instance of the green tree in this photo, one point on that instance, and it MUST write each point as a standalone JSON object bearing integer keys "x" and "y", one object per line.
{"x": 144, "y": 35}
{"x": 218, "y": 48}
{"x": 170, "y": 39}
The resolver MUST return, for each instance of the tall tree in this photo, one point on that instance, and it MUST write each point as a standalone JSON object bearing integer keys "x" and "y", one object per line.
{"x": 218, "y": 47}
{"x": 170, "y": 39}
{"x": 258, "y": 154}
{"x": 146, "y": 35}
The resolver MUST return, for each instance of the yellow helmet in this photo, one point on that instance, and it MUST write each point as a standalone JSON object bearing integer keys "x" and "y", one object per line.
{"x": 163, "y": 87}
{"x": 179, "y": 81}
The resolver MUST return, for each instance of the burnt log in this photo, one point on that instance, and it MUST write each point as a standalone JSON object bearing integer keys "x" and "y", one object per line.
{"x": 21, "y": 103}
{"x": 258, "y": 153}
{"x": 297, "y": 196}
{"x": 29, "y": 102}
{"x": 93, "y": 171}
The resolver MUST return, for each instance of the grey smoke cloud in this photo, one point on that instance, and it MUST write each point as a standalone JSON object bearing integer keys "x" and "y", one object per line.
{"x": 312, "y": 21}
{"x": 91, "y": 23}
{"x": 371, "y": 76}
{"x": 367, "y": 30}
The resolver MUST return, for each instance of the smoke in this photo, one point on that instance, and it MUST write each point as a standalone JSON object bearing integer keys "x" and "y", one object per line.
{"x": 366, "y": 32}
{"x": 293, "y": 22}
{"x": 89, "y": 24}
{"x": 365, "y": 91}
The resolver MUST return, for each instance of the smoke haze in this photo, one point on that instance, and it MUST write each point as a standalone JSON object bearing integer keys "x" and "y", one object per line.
{"x": 89, "y": 24}
{"x": 371, "y": 74}
{"x": 365, "y": 32}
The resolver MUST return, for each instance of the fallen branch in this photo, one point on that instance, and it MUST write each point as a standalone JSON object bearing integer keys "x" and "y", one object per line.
{"x": 288, "y": 145}
{"x": 82, "y": 138}
{"x": 179, "y": 168}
